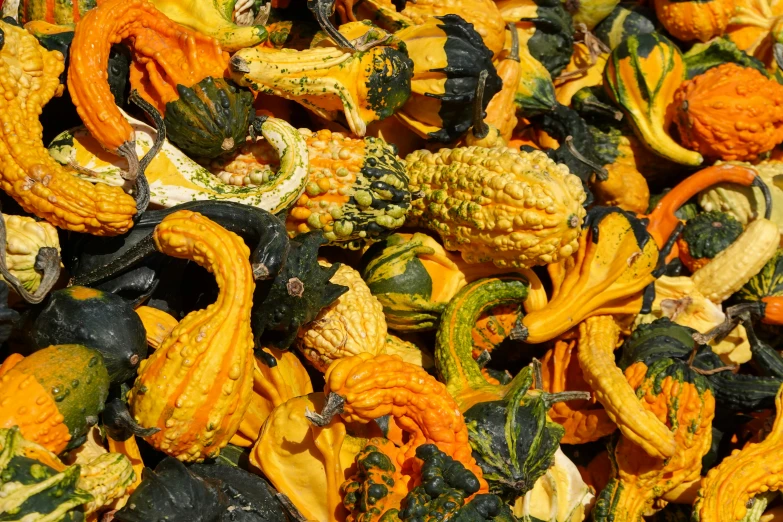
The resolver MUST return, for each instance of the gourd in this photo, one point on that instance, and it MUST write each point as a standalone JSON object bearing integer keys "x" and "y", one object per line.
{"x": 448, "y": 56}
{"x": 546, "y": 29}
{"x": 641, "y": 77}
{"x": 26, "y": 241}
{"x": 680, "y": 398}
{"x": 584, "y": 70}
{"x": 620, "y": 24}
{"x": 500, "y": 110}
{"x": 583, "y": 421}
{"x": 277, "y": 376}
{"x": 99, "y": 320}
{"x": 54, "y": 395}
{"x": 353, "y": 324}
{"x": 623, "y": 159}
{"x": 361, "y": 388}
{"x": 718, "y": 51}
{"x": 174, "y": 178}
{"x": 414, "y": 278}
{"x": 365, "y": 85}
{"x": 305, "y": 462}
{"x": 728, "y": 487}
{"x": 193, "y": 424}
{"x": 204, "y": 114}
{"x": 747, "y": 121}
{"x": 408, "y": 352}
{"x": 39, "y": 487}
{"x": 704, "y": 236}
{"x": 753, "y": 28}
{"x": 597, "y": 341}
{"x": 688, "y": 21}
{"x": 730, "y": 269}
{"x": 535, "y": 90}
{"x": 157, "y": 325}
{"x": 767, "y": 282}
{"x": 33, "y": 179}
{"x": 51, "y": 11}
{"x": 214, "y": 19}
{"x": 591, "y": 12}
{"x": 463, "y": 187}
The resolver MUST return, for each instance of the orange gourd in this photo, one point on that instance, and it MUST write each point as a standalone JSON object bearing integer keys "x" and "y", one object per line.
{"x": 694, "y": 20}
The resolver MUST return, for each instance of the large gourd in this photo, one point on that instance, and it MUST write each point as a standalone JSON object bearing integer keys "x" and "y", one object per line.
{"x": 197, "y": 385}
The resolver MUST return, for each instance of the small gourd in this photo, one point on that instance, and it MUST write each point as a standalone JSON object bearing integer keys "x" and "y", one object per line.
{"x": 694, "y": 20}
{"x": 705, "y": 236}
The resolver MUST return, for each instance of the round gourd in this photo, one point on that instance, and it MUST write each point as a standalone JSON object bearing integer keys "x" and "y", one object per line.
{"x": 53, "y": 395}
{"x": 705, "y": 236}
{"x": 697, "y": 20}
{"x": 210, "y": 118}
{"x": 96, "y": 319}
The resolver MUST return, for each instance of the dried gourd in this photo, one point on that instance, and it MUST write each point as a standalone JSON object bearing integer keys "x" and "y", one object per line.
{"x": 199, "y": 406}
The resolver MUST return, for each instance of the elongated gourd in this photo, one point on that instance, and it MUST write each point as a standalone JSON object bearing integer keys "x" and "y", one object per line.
{"x": 736, "y": 265}
{"x": 597, "y": 341}
{"x": 38, "y": 183}
{"x": 728, "y": 487}
{"x": 197, "y": 385}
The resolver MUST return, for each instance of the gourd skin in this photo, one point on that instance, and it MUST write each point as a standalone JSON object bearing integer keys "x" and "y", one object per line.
{"x": 706, "y": 235}
{"x": 52, "y": 11}
{"x": 353, "y": 324}
{"x": 694, "y": 20}
{"x": 641, "y": 77}
{"x": 730, "y": 112}
{"x": 742, "y": 475}
{"x": 24, "y": 238}
{"x": 513, "y": 208}
{"x": 40, "y": 185}
{"x": 197, "y": 385}
{"x": 597, "y": 340}
{"x": 157, "y": 324}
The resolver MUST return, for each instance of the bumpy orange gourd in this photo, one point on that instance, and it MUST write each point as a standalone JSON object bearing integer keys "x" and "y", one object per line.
{"x": 197, "y": 385}
{"x": 694, "y": 20}
{"x": 372, "y": 387}
{"x": 730, "y": 112}
{"x": 584, "y": 421}
{"x": 757, "y": 468}
{"x": 279, "y": 378}
{"x": 165, "y": 55}
{"x": 30, "y": 78}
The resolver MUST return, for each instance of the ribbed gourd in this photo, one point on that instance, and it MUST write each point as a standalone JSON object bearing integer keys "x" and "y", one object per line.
{"x": 516, "y": 209}
{"x": 24, "y": 238}
{"x": 352, "y": 324}
{"x": 199, "y": 406}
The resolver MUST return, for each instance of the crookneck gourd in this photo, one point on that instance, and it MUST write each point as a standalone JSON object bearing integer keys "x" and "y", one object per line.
{"x": 362, "y": 388}
{"x": 38, "y": 183}
{"x": 641, "y": 77}
{"x": 680, "y": 398}
{"x": 730, "y": 112}
{"x": 53, "y": 395}
{"x": 516, "y": 209}
{"x": 211, "y": 347}
{"x": 583, "y": 421}
{"x": 728, "y": 487}
{"x": 365, "y": 86}
{"x": 38, "y": 486}
{"x": 179, "y": 72}
{"x": 354, "y": 323}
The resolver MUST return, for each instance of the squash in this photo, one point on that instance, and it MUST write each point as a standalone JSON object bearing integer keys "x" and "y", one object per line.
{"x": 767, "y": 282}
{"x": 728, "y": 487}
{"x": 694, "y": 20}
{"x": 414, "y": 278}
{"x": 448, "y": 57}
{"x": 535, "y": 90}
{"x": 360, "y": 388}
{"x": 591, "y": 12}
{"x": 704, "y": 236}
{"x": 623, "y": 159}
{"x": 620, "y": 24}
{"x": 583, "y": 421}
{"x": 584, "y": 70}
{"x": 51, "y": 11}
{"x": 463, "y": 187}
{"x": 54, "y": 395}
{"x": 641, "y": 77}
{"x": 377, "y": 489}
{"x": 189, "y": 430}
{"x": 33, "y": 179}
{"x": 174, "y": 178}
{"x": 353, "y": 324}
{"x": 99, "y": 320}
{"x": 44, "y": 489}
{"x": 408, "y": 352}
{"x": 501, "y": 108}
{"x": 740, "y": 93}
{"x": 680, "y": 398}
{"x": 545, "y": 28}
{"x": 365, "y": 86}
{"x": 157, "y": 325}
{"x": 27, "y": 241}
{"x": 753, "y": 28}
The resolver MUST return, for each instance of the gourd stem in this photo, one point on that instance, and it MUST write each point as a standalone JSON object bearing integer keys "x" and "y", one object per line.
{"x": 480, "y": 129}
{"x": 601, "y": 173}
{"x": 120, "y": 425}
{"x": 735, "y": 315}
{"x": 564, "y": 396}
{"x": 334, "y": 406}
{"x": 662, "y": 220}
{"x": 47, "y": 261}
{"x": 514, "y": 54}
{"x": 538, "y": 374}
{"x": 322, "y": 10}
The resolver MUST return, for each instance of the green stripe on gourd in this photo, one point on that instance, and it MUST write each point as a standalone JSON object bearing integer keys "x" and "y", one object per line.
{"x": 620, "y": 24}
{"x": 767, "y": 283}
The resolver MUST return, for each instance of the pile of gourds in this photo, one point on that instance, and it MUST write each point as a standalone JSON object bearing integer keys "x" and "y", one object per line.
{"x": 370, "y": 260}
